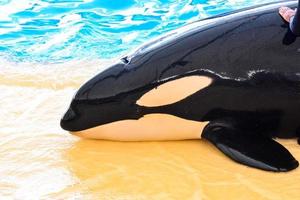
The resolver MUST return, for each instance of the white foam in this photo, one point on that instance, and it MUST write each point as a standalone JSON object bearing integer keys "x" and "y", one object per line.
{"x": 15, "y": 6}
{"x": 130, "y": 37}
{"x": 70, "y": 19}
{"x": 56, "y": 39}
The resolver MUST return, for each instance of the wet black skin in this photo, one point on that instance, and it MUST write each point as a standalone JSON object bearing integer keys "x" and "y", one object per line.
{"x": 254, "y": 61}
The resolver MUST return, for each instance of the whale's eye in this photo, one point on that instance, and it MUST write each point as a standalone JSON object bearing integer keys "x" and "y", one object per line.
{"x": 174, "y": 91}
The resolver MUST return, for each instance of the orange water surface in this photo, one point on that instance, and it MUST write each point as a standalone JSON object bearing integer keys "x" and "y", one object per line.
{"x": 38, "y": 160}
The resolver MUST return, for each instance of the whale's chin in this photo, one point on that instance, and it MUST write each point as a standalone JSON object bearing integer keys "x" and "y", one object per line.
{"x": 152, "y": 127}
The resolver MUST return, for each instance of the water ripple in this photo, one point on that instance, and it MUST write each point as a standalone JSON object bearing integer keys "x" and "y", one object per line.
{"x": 50, "y": 31}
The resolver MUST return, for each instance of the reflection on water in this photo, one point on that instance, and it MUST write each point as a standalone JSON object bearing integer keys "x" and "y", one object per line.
{"x": 38, "y": 160}
{"x": 168, "y": 170}
{"x": 144, "y": 170}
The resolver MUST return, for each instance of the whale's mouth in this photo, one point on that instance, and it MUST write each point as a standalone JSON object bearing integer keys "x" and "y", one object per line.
{"x": 83, "y": 115}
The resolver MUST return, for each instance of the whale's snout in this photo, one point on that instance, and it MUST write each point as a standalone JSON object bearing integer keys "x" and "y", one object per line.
{"x": 89, "y": 107}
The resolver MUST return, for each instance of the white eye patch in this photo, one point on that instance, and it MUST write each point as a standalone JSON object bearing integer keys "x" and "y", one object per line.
{"x": 174, "y": 91}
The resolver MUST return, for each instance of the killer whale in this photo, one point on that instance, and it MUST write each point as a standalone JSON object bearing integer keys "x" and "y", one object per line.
{"x": 250, "y": 62}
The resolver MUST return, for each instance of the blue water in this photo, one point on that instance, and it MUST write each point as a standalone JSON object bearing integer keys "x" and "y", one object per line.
{"x": 49, "y": 31}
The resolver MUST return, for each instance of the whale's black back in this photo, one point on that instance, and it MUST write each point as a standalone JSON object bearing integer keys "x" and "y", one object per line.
{"x": 231, "y": 46}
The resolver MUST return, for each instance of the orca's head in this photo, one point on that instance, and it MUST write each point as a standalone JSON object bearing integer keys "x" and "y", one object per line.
{"x": 103, "y": 99}
{"x": 130, "y": 99}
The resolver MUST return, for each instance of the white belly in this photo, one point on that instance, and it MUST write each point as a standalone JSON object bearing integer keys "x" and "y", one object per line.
{"x": 152, "y": 127}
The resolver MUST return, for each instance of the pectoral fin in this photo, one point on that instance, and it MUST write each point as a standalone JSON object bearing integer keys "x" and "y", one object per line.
{"x": 251, "y": 149}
